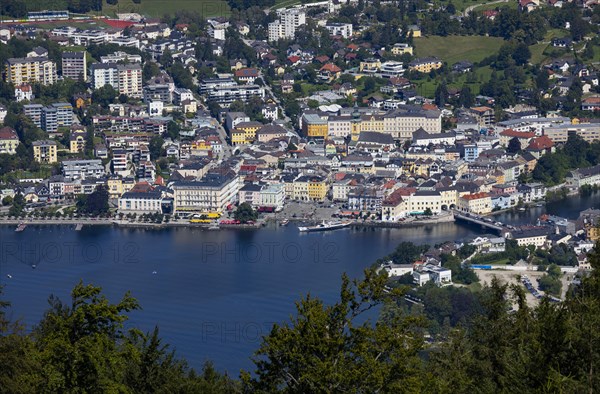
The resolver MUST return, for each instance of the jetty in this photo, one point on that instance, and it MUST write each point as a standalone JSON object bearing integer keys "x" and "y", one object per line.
{"x": 78, "y": 227}
{"x": 21, "y": 227}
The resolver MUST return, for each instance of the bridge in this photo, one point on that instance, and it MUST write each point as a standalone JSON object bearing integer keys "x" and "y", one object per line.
{"x": 478, "y": 220}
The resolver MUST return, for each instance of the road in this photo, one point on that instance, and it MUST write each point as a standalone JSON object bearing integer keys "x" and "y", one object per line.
{"x": 472, "y": 7}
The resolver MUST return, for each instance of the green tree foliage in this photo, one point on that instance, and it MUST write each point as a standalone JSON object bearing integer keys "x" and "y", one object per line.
{"x": 245, "y": 213}
{"x": 83, "y": 346}
{"x": 156, "y": 147}
{"x": 552, "y": 168}
{"x": 18, "y": 204}
{"x": 514, "y": 146}
{"x": 406, "y": 253}
{"x": 326, "y": 349}
{"x": 104, "y": 96}
{"x": 95, "y": 203}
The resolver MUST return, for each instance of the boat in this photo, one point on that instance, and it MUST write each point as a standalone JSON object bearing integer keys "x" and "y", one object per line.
{"x": 522, "y": 209}
{"x": 325, "y": 226}
{"x": 9, "y": 276}
{"x": 284, "y": 222}
{"x": 21, "y": 227}
{"x": 539, "y": 205}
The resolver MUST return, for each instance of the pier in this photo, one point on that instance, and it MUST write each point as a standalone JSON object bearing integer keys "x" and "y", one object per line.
{"x": 78, "y": 227}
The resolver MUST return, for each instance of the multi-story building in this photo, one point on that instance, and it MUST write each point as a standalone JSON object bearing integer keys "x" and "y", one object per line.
{"x": 157, "y": 92}
{"x": 560, "y": 133}
{"x": 141, "y": 202}
{"x": 213, "y": 193}
{"x": 120, "y": 57}
{"x": 314, "y": 126}
{"x": 477, "y": 203}
{"x": 309, "y": 188}
{"x": 56, "y": 115}
{"x": 120, "y": 162}
{"x": 74, "y": 65}
{"x": 485, "y": 116}
{"x": 339, "y": 29}
{"x": 34, "y": 113}
{"x": 425, "y": 65}
{"x": 77, "y": 141}
{"x": 82, "y": 169}
{"x": 30, "y": 69}
{"x": 105, "y": 74}
{"x": 285, "y": 27}
{"x": 226, "y": 95}
{"x": 125, "y": 78}
{"x": 401, "y": 49}
{"x": 23, "y": 92}
{"x": 9, "y": 141}
{"x": 45, "y": 151}
{"x": 130, "y": 79}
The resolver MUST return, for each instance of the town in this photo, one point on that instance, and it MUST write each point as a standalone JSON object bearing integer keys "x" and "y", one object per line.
{"x": 310, "y": 112}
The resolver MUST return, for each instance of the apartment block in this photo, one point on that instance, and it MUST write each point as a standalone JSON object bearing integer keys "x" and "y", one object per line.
{"x": 30, "y": 69}
{"x": 228, "y": 94}
{"x": 74, "y": 65}
{"x": 45, "y": 151}
{"x": 56, "y": 115}
{"x": 285, "y": 27}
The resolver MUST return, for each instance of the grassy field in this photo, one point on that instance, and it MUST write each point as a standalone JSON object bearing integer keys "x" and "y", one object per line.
{"x": 537, "y": 50}
{"x": 452, "y": 49}
{"x": 158, "y": 8}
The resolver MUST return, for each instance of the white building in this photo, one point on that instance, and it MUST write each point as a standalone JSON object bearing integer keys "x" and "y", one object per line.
{"x": 82, "y": 169}
{"x": 213, "y": 193}
{"x": 392, "y": 69}
{"x": 340, "y": 29}
{"x": 23, "y": 92}
{"x": 120, "y": 56}
{"x": 140, "y": 202}
{"x": 285, "y": 27}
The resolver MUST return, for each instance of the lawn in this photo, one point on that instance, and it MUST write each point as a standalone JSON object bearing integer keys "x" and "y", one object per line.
{"x": 537, "y": 50}
{"x": 452, "y": 49}
{"x": 158, "y": 8}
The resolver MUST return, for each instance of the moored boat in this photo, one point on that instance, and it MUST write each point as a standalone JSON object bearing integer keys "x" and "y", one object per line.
{"x": 325, "y": 226}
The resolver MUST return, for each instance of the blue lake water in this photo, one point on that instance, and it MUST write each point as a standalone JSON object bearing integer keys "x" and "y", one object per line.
{"x": 212, "y": 293}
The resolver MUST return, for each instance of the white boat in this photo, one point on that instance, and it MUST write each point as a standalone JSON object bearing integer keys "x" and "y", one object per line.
{"x": 522, "y": 209}
{"x": 284, "y": 222}
{"x": 325, "y": 226}
{"x": 9, "y": 276}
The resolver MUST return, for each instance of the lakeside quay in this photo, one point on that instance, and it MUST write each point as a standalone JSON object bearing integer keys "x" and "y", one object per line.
{"x": 183, "y": 224}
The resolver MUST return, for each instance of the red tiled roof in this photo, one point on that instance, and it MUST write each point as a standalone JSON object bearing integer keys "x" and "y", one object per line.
{"x": 6, "y": 133}
{"x": 429, "y": 107}
{"x": 518, "y": 134}
{"x": 294, "y": 59}
{"x": 331, "y": 68}
{"x": 322, "y": 58}
{"x": 246, "y": 72}
{"x": 475, "y": 196}
{"x": 541, "y": 143}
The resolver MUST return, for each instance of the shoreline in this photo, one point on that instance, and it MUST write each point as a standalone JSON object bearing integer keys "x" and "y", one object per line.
{"x": 176, "y": 224}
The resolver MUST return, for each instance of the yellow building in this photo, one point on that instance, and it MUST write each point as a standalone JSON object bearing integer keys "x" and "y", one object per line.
{"x": 401, "y": 49}
{"x": 238, "y": 137}
{"x": 45, "y": 151}
{"x": 250, "y": 129}
{"x": 77, "y": 142}
{"x": 425, "y": 65}
{"x": 200, "y": 147}
{"x": 310, "y": 188}
{"x": 416, "y": 31}
{"x": 9, "y": 141}
{"x": 115, "y": 186}
{"x": 370, "y": 65}
{"x": 30, "y": 69}
{"x": 477, "y": 203}
{"x": 314, "y": 126}
{"x": 372, "y": 123}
